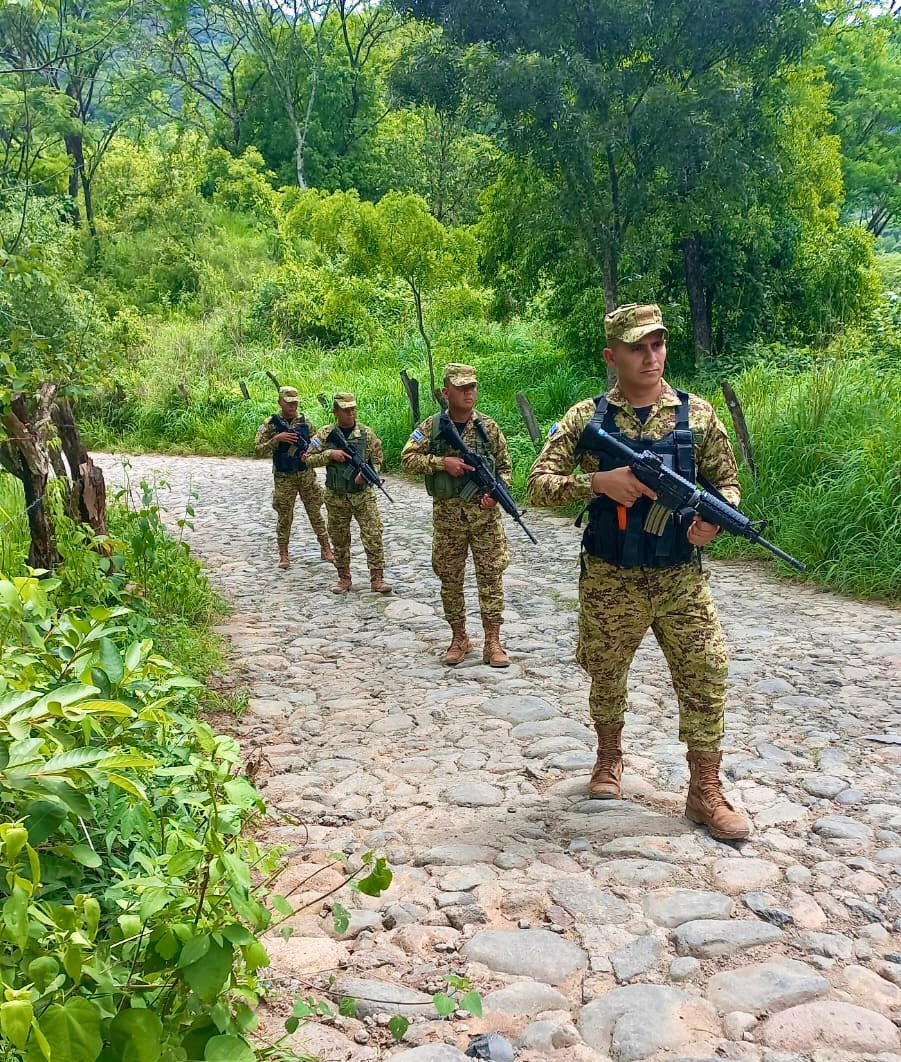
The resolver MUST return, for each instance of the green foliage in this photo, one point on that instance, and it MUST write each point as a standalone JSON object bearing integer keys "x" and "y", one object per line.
{"x": 301, "y": 302}
{"x": 105, "y": 913}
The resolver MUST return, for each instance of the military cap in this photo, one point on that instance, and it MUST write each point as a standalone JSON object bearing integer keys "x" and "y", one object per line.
{"x": 345, "y": 400}
{"x": 632, "y": 322}
{"x": 288, "y": 394}
{"x": 459, "y": 375}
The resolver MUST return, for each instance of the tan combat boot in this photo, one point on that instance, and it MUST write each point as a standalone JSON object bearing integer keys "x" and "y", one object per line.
{"x": 284, "y": 561}
{"x": 377, "y": 583}
{"x": 460, "y": 645}
{"x": 344, "y": 582}
{"x": 494, "y": 653}
{"x": 707, "y": 805}
{"x": 325, "y": 550}
{"x": 606, "y": 778}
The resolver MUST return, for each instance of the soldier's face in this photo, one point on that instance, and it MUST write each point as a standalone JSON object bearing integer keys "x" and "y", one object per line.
{"x": 461, "y": 399}
{"x": 346, "y": 418}
{"x": 289, "y": 407}
{"x": 639, "y": 366}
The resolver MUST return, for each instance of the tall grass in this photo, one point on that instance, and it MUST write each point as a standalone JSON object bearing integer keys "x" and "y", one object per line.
{"x": 826, "y": 438}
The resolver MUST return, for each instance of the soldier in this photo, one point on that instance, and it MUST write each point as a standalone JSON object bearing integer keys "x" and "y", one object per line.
{"x": 347, "y": 495}
{"x": 463, "y": 518}
{"x": 286, "y": 435}
{"x": 631, "y": 579}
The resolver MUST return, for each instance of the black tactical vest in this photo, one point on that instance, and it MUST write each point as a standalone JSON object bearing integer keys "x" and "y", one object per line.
{"x": 635, "y": 547}
{"x": 288, "y": 457}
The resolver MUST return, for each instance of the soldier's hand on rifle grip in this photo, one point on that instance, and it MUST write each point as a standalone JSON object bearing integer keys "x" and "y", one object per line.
{"x": 359, "y": 480}
{"x": 337, "y": 455}
{"x": 456, "y": 466}
{"x": 487, "y": 502}
{"x": 701, "y": 533}
{"x": 621, "y": 485}
{"x": 285, "y": 437}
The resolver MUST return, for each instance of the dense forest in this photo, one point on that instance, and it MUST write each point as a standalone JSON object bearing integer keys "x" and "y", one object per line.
{"x": 199, "y": 199}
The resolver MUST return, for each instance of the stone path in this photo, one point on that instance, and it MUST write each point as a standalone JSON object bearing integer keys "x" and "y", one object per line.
{"x": 594, "y": 931}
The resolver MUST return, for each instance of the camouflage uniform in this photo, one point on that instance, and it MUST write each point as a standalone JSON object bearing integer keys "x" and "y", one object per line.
{"x": 359, "y": 505}
{"x": 288, "y": 485}
{"x": 460, "y": 526}
{"x": 617, "y": 605}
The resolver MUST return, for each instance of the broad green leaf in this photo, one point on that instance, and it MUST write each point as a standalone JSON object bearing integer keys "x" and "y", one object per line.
{"x": 378, "y": 879}
{"x": 340, "y": 917}
{"x": 398, "y": 1026}
{"x": 347, "y": 1008}
{"x": 86, "y": 855}
{"x": 72, "y": 962}
{"x": 71, "y": 760}
{"x": 11, "y": 702}
{"x": 133, "y": 656}
{"x": 229, "y": 1049}
{"x": 113, "y": 709}
{"x": 72, "y": 1030}
{"x": 443, "y": 1004}
{"x": 472, "y": 1002}
{"x": 15, "y": 1021}
{"x": 15, "y": 916}
{"x": 135, "y": 1035}
{"x": 235, "y": 869}
{"x": 255, "y": 955}
{"x": 208, "y": 975}
{"x": 134, "y": 789}
{"x": 239, "y": 935}
{"x": 282, "y": 905}
{"x": 111, "y": 660}
{"x": 43, "y": 818}
{"x": 42, "y": 970}
{"x": 195, "y": 949}
{"x": 184, "y": 862}
{"x": 68, "y": 694}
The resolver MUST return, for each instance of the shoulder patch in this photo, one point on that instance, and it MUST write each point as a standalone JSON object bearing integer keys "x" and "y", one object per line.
{"x": 417, "y": 435}
{"x": 315, "y": 444}
{"x": 553, "y": 429}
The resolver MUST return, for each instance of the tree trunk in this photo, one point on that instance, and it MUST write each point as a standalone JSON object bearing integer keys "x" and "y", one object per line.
{"x": 89, "y": 488}
{"x": 298, "y": 155}
{"x": 420, "y": 324}
{"x": 75, "y": 151}
{"x": 25, "y": 455}
{"x": 697, "y": 299}
{"x": 88, "y": 202}
{"x": 611, "y": 293}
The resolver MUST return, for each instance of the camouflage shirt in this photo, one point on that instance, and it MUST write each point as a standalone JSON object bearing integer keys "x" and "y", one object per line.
{"x": 267, "y": 431}
{"x": 317, "y": 455}
{"x": 555, "y": 481}
{"x": 417, "y": 458}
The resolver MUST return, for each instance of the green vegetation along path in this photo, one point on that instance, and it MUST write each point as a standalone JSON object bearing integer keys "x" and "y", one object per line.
{"x": 592, "y": 930}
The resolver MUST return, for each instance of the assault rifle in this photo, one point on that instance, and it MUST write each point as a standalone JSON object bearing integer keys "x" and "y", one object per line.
{"x": 675, "y": 493}
{"x": 481, "y": 474}
{"x": 337, "y": 441}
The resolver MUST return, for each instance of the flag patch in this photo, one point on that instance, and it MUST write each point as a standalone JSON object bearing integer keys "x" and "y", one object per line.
{"x": 553, "y": 429}
{"x": 315, "y": 445}
{"x": 417, "y": 435}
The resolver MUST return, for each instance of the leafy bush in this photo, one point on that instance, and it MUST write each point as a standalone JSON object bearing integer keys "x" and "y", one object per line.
{"x": 302, "y": 303}
{"x": 118, "y": 930}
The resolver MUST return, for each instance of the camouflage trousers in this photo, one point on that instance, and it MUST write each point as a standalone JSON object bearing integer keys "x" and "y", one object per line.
{"x": 617, "y": 606}
{"x": 284, "y": 494}
{"x": 458, "y": 528}
{"x": 364, "y": 509}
